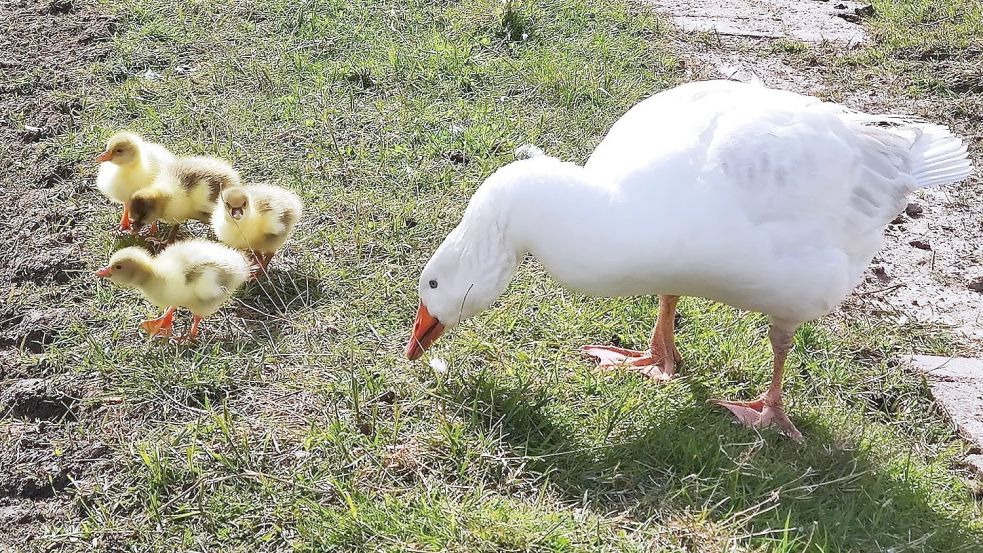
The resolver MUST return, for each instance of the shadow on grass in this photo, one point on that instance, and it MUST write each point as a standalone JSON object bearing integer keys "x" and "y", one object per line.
{"x": 274, "y": 301}
{"x": 232, "y": 346}
{"x": 281, "y": 292}
{"x": 824, "y": 494}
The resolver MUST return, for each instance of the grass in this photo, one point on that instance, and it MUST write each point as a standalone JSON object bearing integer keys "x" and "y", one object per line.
{"x": 296, "y": 425}
{"x": 925, "y": 48}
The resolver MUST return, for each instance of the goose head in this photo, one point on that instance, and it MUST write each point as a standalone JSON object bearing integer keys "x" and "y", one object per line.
{"x": 473, "y": 265}
{"x": 146, "y": 206}
{"x": 122, "y": 149}
{"x": 466, "y": 274}
{"x": 129, "y": 267}
{"x": 236, "y": 202}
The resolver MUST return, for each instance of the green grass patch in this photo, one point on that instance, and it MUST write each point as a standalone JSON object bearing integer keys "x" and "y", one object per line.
{"x": 923, "y": 47}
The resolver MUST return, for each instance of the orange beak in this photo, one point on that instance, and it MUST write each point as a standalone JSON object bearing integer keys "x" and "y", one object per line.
{"x": 426, "y": 329}
{"x": 105, "y": 156}
{"x": 105, "y": 272}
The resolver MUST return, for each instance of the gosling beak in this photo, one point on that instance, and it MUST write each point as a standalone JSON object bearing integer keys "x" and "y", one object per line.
{"x": 105, "y": 156}
{"x": 236, "y": 213}
{"x": 105, "y": 272}
{"x": 426, "y": 329}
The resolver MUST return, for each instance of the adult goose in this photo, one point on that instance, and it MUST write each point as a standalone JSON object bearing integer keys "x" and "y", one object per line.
{"x": 762, "y": 199}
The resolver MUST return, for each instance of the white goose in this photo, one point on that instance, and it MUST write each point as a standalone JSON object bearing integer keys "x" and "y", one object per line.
{"x": 763, "y": 199}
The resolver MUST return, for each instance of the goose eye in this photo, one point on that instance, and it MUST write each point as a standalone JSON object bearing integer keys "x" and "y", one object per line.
{"x": 433, "y": 283}
{"x": 119, "y": 150}
{"x": 118, "y": 267}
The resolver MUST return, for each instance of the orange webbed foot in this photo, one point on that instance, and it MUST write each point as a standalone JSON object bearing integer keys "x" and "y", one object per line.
{"x": 612, "y": 357}
{"x": 761, "y": 413}
{"x": 160, "y": 327}
{"x": 124, "y": 221}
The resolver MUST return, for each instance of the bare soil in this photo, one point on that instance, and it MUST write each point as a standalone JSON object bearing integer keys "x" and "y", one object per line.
{"x": 809, "y": 21}
{"x": 47, "y": 454}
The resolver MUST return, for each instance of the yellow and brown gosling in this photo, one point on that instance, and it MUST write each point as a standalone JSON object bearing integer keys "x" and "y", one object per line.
{"x": 257, "y": 219}
{"x": 187, "y": 189}
{"x": 199, "y": 275}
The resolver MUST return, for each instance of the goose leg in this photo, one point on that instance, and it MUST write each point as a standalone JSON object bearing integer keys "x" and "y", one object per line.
{"x": 256, "y": 266}
{"x": 659, "y": 362}
{"x": 124, "y": 222}
{"x": 161, "y": 326}
{"x": 153, "y": 234}
{"x": 261, "y": 261}
{"x": 149, "y": 234}
{"x": 767, "y": 409}
{"x": 173, "y": 234}
{"x": 265, "y": 258}
{"x": 192, "y": 332}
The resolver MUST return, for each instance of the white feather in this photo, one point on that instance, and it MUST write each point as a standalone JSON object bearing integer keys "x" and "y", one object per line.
{"x": 766, "y": 200}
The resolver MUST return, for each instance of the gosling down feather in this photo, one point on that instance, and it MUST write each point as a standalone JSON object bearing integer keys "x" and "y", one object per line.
{"x": 198, "y": 275}
{"x": 128, "y": 165}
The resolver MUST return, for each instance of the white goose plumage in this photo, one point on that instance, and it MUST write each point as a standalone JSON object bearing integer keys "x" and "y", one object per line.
{"x": 763, "y": 199}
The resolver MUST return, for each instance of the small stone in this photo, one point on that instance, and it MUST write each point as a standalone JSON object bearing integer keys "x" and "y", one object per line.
{"x": 457, "y": 157}
{"x": 920, "y": 244}
{"x": 865, "y": 11}
{"x": 58, "y": 7}
{"x": 913, "y": 210}
{"x": 956, "y": 385}
{"x": 880, "y": 273}
{"x": 386, "y": 397}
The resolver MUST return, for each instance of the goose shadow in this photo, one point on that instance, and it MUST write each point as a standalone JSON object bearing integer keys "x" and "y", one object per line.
{"x": 827, "y": 493}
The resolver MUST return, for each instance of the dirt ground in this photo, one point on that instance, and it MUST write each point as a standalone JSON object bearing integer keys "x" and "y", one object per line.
{"x": 44, "y": 45}
{"x": 813, "y": 21}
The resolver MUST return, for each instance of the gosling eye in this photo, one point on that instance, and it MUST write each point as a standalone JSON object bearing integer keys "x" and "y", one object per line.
{"x": 118, "y": 267}
{"x": 433, "y": 283}
{"x": 119, "y": 150}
